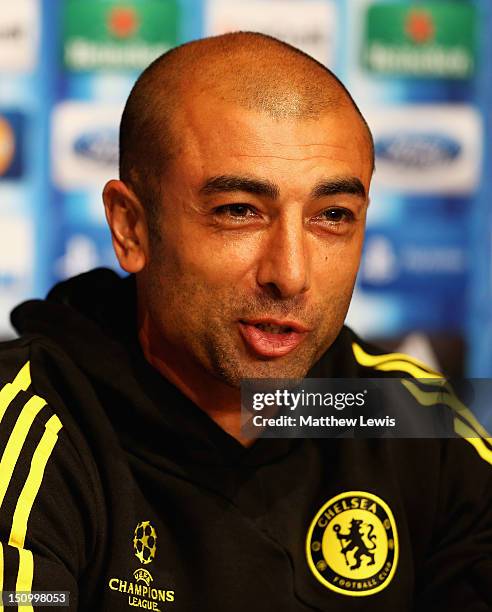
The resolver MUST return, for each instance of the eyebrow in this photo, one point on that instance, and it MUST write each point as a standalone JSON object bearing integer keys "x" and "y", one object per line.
{"x": 230, "y": 183}
{"x": 336, "y": 186}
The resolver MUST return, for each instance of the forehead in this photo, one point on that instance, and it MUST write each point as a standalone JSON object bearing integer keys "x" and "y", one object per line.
{"x": 218, "y": 137}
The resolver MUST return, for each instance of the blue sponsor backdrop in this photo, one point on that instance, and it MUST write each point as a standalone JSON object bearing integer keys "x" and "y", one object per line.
{"x": 424, "y": 284}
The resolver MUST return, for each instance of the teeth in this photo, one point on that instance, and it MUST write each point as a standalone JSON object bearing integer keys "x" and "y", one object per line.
{"x": 273, "y": 329}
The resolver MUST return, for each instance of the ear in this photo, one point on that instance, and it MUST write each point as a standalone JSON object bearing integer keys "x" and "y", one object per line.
{"x": 126, "y": 219}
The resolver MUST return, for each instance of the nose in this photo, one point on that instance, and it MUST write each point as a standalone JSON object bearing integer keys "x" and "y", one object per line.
{"x": 284, "y": 267}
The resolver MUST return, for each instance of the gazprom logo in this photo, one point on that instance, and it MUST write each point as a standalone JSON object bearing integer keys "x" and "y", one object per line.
{"x": 99, "y": 146}
{"x": 414, "y": 150}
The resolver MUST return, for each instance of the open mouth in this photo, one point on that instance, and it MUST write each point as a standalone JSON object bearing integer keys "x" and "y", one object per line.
{"x": 269, "y": 338}
{"x": 274, "y": 329}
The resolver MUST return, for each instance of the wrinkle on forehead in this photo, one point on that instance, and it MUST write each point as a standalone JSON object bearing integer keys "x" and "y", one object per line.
{"x": 311, "y": 144}
{"x": 251, "y": 71}
{"x": 284, "y": 158}
{"x": 224, "y": 137}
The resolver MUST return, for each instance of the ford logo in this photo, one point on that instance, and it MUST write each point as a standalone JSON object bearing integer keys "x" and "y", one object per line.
{"x": 425, "y": 150}
{"x": 100, "y": 146}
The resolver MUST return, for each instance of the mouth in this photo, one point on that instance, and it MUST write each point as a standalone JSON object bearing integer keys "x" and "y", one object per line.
{"x": 269, "y": 338}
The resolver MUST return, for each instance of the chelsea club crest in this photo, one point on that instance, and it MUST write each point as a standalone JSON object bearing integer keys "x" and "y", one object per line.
{"x": 352, "y": 544}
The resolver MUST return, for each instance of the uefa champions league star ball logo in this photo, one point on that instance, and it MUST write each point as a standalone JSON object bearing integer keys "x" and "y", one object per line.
{"x": 145, "y": 542}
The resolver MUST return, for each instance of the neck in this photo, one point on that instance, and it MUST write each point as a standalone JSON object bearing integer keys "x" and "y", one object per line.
{"x": 219, "y": 401}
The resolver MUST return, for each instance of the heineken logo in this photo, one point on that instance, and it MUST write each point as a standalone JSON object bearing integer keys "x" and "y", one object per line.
{"x": 112, "y": 35}
{"x": 432, "y": 39}
{"x": 123, "y": 22}
{"x": 420, "y": 26}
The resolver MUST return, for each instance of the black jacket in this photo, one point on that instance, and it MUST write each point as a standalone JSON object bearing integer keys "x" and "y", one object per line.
{"x": 117, "y": 488}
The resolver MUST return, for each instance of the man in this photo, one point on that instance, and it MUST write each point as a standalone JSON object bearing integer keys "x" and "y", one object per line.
{"x": 125, "y": 479}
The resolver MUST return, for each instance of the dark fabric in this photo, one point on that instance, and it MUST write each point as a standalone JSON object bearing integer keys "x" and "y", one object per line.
{"x": 231, "y": 523}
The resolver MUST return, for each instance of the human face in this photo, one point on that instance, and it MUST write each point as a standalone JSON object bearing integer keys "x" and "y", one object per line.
{"x": 261, "y": 230}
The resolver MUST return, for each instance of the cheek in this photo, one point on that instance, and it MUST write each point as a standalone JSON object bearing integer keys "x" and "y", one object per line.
{"x": 338, "y": 260}
{"x": 219, "y": 259}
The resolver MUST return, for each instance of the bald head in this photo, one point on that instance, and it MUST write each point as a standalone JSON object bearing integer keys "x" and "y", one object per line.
{"x": 255, "y": 71}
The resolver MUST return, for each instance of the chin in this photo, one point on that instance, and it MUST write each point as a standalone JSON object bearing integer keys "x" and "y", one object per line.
{"x": 261, "y": 369}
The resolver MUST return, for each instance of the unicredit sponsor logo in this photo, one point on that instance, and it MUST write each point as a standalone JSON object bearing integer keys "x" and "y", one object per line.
{"x": 424, "y": 150}
{"x": 98, "y": 146}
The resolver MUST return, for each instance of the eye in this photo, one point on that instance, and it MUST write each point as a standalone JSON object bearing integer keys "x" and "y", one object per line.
{"x": 235, "y": 211}
{"x": 334, "y": 220}
{"x": 336, "y": 215}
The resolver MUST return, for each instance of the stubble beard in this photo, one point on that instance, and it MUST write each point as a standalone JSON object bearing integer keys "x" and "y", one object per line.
{"x": 220, "y": 349}
{"x": 231, "y": 364}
